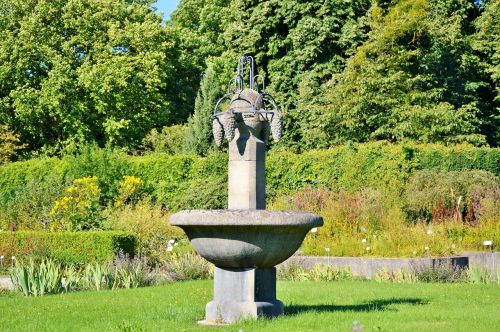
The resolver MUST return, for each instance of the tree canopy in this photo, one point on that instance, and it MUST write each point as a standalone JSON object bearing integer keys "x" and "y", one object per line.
{"x": 110, "y": 72}
{"x": 74, "y": 71}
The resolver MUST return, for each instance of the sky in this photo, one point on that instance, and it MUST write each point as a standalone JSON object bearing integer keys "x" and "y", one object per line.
{"x": 166, "y": 6}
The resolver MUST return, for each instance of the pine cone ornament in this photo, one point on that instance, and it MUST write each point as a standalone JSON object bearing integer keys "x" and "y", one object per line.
{"x": 218, "y": 131}
{"x": 229, "y": 123}
{"x": 276, "y": 125}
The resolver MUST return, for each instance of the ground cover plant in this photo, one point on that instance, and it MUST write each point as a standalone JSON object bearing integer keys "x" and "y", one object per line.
{"x": 318, "y": 306}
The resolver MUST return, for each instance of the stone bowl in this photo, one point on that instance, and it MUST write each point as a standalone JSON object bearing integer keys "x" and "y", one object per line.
{"x": 245, "y": 238}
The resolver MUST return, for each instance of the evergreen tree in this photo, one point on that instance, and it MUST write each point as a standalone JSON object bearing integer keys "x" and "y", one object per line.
{"x": 198, "y": 138}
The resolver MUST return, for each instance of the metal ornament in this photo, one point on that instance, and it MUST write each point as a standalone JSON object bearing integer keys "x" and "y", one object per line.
{"x": 252, "y": 107}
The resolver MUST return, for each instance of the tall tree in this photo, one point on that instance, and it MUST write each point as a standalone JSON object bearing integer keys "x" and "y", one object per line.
{"x": 74, "y": 71}
{"x": 487, "y": 43}
{"x": 198, "y": 138}
{"x": 415, "y": 78}
{"x": 298, "y": 45}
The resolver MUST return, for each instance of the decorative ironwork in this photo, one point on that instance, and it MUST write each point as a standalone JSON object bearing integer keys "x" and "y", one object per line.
{"x": 249, "y": 106}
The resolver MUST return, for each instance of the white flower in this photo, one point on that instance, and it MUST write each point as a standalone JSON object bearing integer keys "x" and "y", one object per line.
{"x": 363, "y": 241}
{"x": 426, "y": 248}
{"x": 363, "y": 229}
{"x": 13, "y": 257}
{"x": 452, "y": 246}
{"x": 314, "y": 230}
{"x": 170, "y": 248}
{"x": 487, "y": 243}
{"x": 429, "y": 232}
{"x": 367, "y": 248}
{"x": 327, "y": 249}
{"x": 1, "y": 257}
{"x": 171, "y": 242}
{"x": 414, "y": 253}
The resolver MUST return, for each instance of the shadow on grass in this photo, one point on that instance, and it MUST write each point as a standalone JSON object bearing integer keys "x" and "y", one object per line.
{"x": 374, "y": 305}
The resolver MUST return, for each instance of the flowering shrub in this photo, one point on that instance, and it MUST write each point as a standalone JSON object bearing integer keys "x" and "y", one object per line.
{"x": 79, "y": 209}
{"x": 128, "y": 190}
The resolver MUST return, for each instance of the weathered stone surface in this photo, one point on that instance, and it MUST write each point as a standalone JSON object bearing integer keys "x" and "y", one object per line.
{"x": 247, "y": 173}
{"x": 243, "y": 293}
{"x": 245, "y": 238}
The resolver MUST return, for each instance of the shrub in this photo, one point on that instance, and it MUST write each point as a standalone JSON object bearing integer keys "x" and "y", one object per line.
{"x": 170, "y": 140}
{"x": 296, "y": 270}
{"x": 433, "y": 195}
{"x": 444, "y": 272}
{"x": 187, "y": 266}
{"x": 191, "y": 182}
{"x": 108, "y": 165}
{"x": 399, "y": 276}
{"x": 478, "y": 275}
{"x": 150, "y": 224}
{"x": 293, "y": 269}
{"x": 79, "y": 209}
{"x": 9, "y": 144}
{"x": 27, "y": 207}
{"x": 68, "y": 247}
{"x": 122, "y": 272}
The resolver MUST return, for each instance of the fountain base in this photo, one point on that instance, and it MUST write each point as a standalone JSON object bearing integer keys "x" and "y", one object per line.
{"x": 243, "y": 293}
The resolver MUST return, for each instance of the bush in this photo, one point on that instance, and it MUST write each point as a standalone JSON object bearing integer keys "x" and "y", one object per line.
{"x": 183, "y": 182}
{"x": 435, "y": 195}
{"x": 150, "y": 224}
{"x": 67, "y": 247}
{"x": 9, "y": 144}
{"x": 187, "y": 266}
{"x": 170, "y": 140}
{"x": 444, "y": 272}
{"x": 28, "y": 207}
{"x": 296, "y": 270}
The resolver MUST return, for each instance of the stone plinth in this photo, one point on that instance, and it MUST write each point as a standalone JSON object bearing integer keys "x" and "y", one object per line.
{"x": 242, "y": 294}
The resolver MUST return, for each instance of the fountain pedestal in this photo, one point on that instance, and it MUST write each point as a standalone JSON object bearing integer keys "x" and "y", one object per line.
{"x": 246, "y": 241}
{"x": 243, "y": 293}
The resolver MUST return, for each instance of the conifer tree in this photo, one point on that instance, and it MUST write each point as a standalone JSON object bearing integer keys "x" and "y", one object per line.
{"x": 198, "y": 137}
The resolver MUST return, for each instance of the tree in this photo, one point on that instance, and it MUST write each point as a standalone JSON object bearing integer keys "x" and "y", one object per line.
{"x": 9, "y": 144}
{"x": 298, "y": 45}
{"x": 198, "y": 137}
{"x": 415, "y": 78}
{"x": 485, "y": 42}
{"x": 74, "y": 71}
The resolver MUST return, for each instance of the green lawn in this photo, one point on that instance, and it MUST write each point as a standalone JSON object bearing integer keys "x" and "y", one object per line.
{"x": 310, "y": 306}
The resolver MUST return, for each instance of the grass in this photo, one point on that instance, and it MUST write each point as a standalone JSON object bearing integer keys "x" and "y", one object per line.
{"x": 310, "y": 306}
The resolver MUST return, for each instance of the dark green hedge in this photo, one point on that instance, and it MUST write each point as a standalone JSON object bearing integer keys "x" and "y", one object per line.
{"x": 67, "y": 247}
{"x": 182, "y": 182}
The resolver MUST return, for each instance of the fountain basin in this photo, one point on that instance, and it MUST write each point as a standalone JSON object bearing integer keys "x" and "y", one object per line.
{"x": 245, "y": 238}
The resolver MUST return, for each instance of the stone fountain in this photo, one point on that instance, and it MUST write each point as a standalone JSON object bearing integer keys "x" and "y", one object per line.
{"x": 245, "y": 242}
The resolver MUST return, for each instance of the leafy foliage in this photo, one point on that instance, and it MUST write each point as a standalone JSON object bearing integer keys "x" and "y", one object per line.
{"x": 414, "y": 79}
{"x": 86, "y": 71}
{"x": 68, "y": 247}
{"x": 9, "y": 144}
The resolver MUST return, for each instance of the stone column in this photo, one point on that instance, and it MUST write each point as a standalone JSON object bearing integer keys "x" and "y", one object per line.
{"x": 247, "y": 170}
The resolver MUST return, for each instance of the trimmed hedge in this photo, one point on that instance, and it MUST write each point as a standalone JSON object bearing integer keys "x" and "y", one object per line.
{"x": 67, "y": 247}
{"x": 186, "y": 182}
